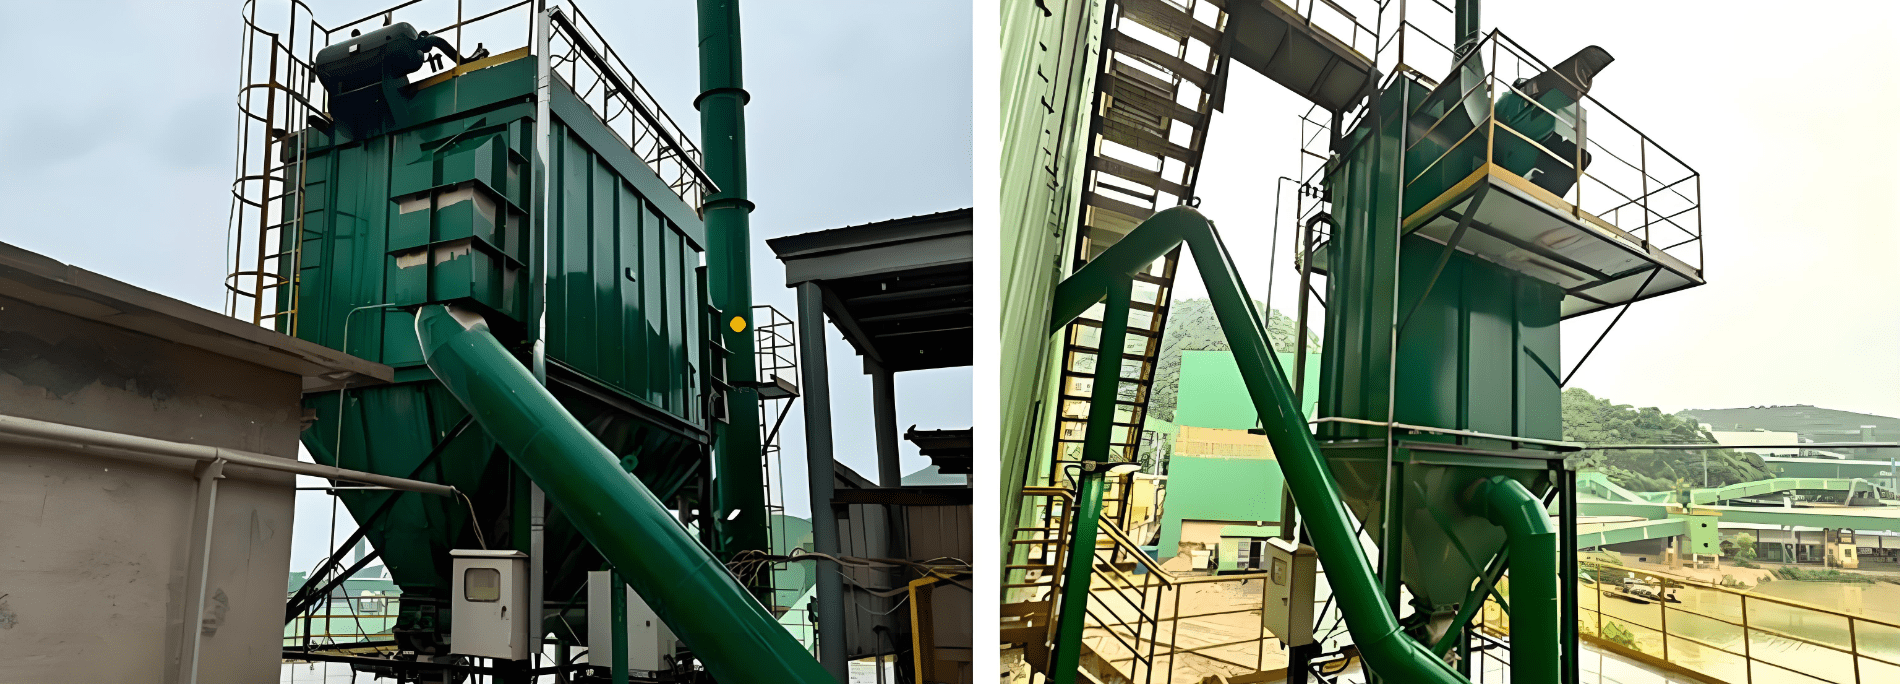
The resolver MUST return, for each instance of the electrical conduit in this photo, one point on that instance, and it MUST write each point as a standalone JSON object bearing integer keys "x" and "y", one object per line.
{"x": 689, "y": 589}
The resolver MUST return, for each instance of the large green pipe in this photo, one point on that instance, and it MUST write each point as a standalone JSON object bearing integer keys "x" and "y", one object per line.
{"x": 740, "y": 485}
{"x": 1535, "y": 651}
{"x": 689, "y": 589}
{"x": 1386, "y": 648}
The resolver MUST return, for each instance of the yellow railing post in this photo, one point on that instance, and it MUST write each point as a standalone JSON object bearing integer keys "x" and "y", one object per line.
{"x": 1748, "y": 655}
{"x": 1853, "y": 647}
{"x": 1662, "y": 608}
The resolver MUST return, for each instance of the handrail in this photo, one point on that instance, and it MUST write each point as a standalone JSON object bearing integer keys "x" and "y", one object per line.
{"x": 88, "y": 440}
{"x": 1743, "y": 650}
{"x": 1383, "y": 642}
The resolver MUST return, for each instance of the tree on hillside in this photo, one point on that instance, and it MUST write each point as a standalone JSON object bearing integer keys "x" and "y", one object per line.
{"x": 1192, "y": 326}
{"x": 1594, "y": 420}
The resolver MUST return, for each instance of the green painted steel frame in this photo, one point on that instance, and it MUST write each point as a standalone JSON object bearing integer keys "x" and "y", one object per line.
{"x": 1375, "y": 628}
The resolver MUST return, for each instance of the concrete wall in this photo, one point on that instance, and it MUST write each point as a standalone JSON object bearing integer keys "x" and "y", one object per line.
{"x": 93, "y": 549}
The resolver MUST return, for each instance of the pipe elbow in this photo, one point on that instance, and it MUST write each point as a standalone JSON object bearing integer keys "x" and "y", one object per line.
{"x": 1507, "y": 503}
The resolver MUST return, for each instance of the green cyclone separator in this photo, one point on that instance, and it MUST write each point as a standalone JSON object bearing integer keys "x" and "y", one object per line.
{"x": 690, "y": 590}
{"x": 1383, "y": 643}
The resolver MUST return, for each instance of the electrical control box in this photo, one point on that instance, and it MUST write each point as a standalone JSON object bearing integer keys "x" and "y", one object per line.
{"x": 1291, "y": 570}
{"x": 491, "y": 603}
{"x": 650, "y": 644}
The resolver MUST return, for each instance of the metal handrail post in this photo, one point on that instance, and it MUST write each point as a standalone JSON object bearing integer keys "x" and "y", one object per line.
{"x": 1748, "y": 655}
{"x": 1853, "y": 648}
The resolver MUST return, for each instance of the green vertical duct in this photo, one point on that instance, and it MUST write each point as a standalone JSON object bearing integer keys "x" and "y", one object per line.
{"x": 1383, "y": 643}
{"x": 1466, "y": 18}
{"x": 1533, "y": 548}
{"x": 684, "y": 584}
{"x": 740, "y": 484}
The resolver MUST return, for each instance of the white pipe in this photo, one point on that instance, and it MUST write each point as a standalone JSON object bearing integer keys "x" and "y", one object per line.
{"x": 101, "y": 441}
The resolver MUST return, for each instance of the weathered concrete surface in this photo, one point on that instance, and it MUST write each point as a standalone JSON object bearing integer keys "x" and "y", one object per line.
{"x": 94, "y": 548}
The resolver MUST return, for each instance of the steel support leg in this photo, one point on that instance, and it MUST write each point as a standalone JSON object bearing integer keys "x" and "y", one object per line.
{"x": 816, "y": 378}
{"x": 884, "y": 415}
{"x": 198, "y": 574}
{"x": 1072, "y": 615}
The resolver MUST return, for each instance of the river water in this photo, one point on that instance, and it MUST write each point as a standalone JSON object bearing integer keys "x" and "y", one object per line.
{"x": 1789, "y": 643}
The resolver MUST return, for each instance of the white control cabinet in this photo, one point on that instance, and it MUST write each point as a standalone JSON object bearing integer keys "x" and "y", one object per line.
{"x": 491, "y": 601}
{"x": 1290, "y": 569}
{"x": 649, "y": 643}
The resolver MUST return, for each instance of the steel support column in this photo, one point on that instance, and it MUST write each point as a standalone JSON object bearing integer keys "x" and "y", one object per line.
{"x": 204, "y": 513}
{"x": 538, "y": 365}
{"x": 1072, "y": 613}
{"x": 816, "y": 388}
{"x": 884, "y": 414}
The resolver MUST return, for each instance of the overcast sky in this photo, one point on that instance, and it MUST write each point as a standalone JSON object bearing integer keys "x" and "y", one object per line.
{"x": 117, "y": 143}
{"x": 1788, "y": 117}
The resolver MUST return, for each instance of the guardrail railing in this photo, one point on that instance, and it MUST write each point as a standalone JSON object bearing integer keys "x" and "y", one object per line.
{"x": 278, "y": 95}
{"x": 1722, "y": 633}
{"x": 1617, "y": 175}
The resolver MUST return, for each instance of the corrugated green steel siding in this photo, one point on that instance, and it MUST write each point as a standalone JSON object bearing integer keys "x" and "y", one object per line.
{"x": 1361, "y": 256}
{"x": 1049, "y": 53}
{"x": 439, "y": 211}
{"x": 625, "y": 294}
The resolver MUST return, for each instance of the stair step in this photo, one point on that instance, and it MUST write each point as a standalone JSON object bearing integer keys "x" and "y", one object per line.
{"x": 1127, "y": 45}
{"x": 1169, "y": 20}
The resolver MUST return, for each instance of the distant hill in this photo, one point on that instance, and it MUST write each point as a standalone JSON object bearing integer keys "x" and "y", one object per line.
{"x": 1812, "y": 423}
{"x": 1590, "y": 419}
{"x": 1192, "y": 326}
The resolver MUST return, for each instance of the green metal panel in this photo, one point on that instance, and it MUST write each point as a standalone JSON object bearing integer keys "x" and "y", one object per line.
{"x": 1479, "y": 352}
{"x": 1211, "y": 379}
{"x": 1704, "y": 534}
{"x": 437, "y": 211}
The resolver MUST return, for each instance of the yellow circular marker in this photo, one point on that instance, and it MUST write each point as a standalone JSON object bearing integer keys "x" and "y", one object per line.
{"x": 738, "y": 324}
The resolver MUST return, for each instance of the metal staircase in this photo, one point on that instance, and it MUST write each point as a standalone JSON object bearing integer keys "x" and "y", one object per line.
{"x": 1144, "y": 155}
{"x": 1125, "y": 612}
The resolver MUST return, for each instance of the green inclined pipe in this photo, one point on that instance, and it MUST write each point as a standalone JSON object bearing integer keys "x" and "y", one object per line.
{"x": 1384, "y": 645}
{"x": 1536, "y": 655}
{"x": 689, "y": 588}
{"x": 1072, "y": 614}
{"x": 740, "y": 485}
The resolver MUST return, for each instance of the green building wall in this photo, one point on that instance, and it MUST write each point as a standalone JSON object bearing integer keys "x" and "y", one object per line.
{"x": 1050, "y": 51}
{"x": 1235, "y": 490}
{"x": 1212, "y": 395}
